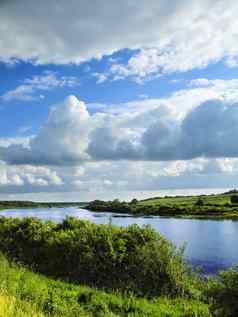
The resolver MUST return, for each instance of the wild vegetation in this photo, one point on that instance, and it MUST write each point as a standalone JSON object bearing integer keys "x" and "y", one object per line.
{"x": 112, "y": 272}
{"x": 131, "y": 259}
{"x": 220, "y": 206}
{"x": 33, "y": 293}
{"x": 10, "y": 306}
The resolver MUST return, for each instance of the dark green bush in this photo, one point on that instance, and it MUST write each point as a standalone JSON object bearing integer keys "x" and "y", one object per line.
{"x": 199, "y": 202}
{"x": 110, "y": 206}
{"x": 223, "y": 294}
{"x": 234, "y": 199}
{"x": 131, "y": 259}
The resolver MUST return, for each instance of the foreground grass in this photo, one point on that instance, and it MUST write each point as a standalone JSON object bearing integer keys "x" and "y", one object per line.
{"x": 34, "y": 295}
{"x": 135, "y": 272}
{"x": 12, "y": 307}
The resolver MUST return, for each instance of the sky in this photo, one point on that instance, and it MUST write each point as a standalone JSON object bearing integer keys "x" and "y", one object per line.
{"x": 102, "y": 97}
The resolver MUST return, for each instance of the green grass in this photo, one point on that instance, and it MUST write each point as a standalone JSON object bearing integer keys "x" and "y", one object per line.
{"x": 187, "y": 201}
{"x": 28, "y": 294}
{"x": 213, "y": 206}
{"x": 10, "y": 306}
{"x": 217, "y": 206}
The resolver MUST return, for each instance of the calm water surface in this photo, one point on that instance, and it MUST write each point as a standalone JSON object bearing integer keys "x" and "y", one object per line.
{"x": 211, "y": 244}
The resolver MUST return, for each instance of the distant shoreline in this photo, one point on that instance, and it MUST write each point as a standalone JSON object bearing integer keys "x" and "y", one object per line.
{"x": 8, "y": 204}
{"x": 211, "y": 206}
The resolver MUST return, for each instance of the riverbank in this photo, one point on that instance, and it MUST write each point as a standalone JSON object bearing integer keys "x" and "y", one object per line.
{"x": 27, "y": 294}
{"x": 215, "y": 206}
{"x": 113, "y": 272}
{"x": 12, "y": 204}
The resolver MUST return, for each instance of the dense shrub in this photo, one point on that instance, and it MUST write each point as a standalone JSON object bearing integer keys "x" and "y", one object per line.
{"x": 199, "y": 202}
{"x": 131, "y": 259}
{"x": 223, "y": 294}
{"x": 110, "y": 206}
{"x": 234, "y": 199}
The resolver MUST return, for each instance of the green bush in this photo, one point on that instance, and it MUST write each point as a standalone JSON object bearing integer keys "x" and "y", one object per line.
{"x": 199, "y": 202}
{"x": 130, "y": 259}
{"x": 223, "y": 294}
{"x": 234, "y": 199}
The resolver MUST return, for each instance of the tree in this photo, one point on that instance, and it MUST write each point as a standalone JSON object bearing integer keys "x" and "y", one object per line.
{"x": 199, "y": 202}
{"x": 134, "y": 201}
{"x": 234, "y": 199}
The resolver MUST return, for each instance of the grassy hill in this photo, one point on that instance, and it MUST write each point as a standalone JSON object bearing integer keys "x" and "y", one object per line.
{"x": 186, "y": 201}
{"x": 205, "y": 206}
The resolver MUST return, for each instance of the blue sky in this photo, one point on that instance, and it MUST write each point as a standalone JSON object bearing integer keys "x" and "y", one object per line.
{"x": 31, "y": 113}
{"x": 99, "y": 99}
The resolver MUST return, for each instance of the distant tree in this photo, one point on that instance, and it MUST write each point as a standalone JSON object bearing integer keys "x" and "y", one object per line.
{"x": 232, "y": 191}
{"x": 115, "y": 202}
{"x": 234, "y": 199}
{"x": 199, "y": 202}
{"x": 134, "y": 201}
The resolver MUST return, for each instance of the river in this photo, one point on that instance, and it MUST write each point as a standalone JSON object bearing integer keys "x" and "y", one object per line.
{"x": 211, "y": 244}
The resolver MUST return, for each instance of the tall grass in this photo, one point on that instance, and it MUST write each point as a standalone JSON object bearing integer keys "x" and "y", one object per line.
{"x": 30, "y": 293}
{"x": 12, "y": 307}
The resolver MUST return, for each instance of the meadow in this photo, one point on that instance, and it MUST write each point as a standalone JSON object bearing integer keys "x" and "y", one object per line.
{"x": 203, "y": 206}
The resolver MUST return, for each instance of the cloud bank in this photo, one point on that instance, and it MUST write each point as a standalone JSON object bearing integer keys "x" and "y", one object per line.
{"x": 164, "y": 36}
{"x": 138, "y": 146}
{"x": 148, "y": 130}
{"x": 209, "y": 130}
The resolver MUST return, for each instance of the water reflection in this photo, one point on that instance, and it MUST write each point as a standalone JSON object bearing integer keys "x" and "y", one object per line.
{"x": 209, "y": 243}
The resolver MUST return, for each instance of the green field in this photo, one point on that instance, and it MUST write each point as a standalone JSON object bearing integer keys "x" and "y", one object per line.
{"x": 204, "y": 206}
{"x": 187, "y": 201}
